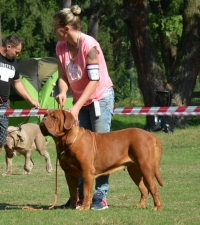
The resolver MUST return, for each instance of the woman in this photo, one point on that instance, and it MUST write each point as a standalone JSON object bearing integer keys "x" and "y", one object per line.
{"x": 82, "y": 68}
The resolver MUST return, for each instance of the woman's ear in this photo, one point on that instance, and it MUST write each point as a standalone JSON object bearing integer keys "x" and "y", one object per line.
{"x": 66, "y": 28}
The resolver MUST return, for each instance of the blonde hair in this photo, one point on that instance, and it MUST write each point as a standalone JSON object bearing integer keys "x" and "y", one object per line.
{"x": 69, "y": 16}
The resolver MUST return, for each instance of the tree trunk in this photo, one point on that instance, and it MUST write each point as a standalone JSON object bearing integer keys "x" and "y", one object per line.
{"x": 168, "y": 50}
{"x": 66, "y": 3}
{"x": 149, "y": 77}
{"x": 94, "y": 18}
{"x": 187, "y": 66}
{"x": 181, "y": 64}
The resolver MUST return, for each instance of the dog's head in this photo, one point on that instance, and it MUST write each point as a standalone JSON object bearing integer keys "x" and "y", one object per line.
{"x": 56, "y": 122}
{"x": 14, "y": 136}
{"x": 14, "y": 139}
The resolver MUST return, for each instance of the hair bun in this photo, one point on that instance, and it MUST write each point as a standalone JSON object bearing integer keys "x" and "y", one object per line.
{"x": 76, "y": 10}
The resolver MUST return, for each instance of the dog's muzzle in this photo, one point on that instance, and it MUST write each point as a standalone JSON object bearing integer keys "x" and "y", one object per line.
{"x": 43, "y": 129}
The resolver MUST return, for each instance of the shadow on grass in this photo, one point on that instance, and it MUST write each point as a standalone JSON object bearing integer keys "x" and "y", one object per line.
{"x": 5, "y": 206}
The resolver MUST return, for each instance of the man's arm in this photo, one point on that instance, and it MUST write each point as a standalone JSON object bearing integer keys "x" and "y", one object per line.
{"x": 20, "y": 89}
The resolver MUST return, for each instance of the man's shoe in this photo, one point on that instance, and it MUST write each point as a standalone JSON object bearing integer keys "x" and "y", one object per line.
{"x": 98, "y": 202}
{"x": 67, "y": 204}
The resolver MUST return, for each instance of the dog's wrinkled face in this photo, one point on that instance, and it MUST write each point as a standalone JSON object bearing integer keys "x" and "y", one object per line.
{"x": 14, "y": 139}
{"x": 9, "y": 143}
{"x": 56, "y": 122}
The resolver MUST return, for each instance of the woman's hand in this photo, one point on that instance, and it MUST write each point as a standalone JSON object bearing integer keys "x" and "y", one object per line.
{"x": 61, "y": 98}
{"x": 74, "y": 110}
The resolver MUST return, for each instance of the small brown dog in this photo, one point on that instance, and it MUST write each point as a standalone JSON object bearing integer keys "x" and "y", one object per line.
{"x": 86, "y": 154}
{"x": 21, "y": 141}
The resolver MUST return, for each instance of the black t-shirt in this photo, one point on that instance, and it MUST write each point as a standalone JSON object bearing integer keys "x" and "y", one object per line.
{"x": 8, "y": 71}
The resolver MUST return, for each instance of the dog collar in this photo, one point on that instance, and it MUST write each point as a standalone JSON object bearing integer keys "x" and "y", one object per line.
{"x": 71, "y": 143}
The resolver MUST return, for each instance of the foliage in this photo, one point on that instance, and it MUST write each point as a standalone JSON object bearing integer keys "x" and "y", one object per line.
{"x": 33, "y": 25}
{"x": 169, "y": 21}
{"x": 173, "y": 28}
{"x": 116, "y": 46}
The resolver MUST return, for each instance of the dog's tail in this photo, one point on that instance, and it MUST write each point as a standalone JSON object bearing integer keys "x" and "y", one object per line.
{"x": 157, "y": 169}
{"x": 159, "y": 179}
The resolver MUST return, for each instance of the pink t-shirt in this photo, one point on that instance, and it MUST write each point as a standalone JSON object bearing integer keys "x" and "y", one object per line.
{"x": 76, "y": 71}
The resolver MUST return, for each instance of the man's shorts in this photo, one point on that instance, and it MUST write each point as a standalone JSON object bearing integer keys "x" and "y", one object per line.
{"x": 3, "y": 125}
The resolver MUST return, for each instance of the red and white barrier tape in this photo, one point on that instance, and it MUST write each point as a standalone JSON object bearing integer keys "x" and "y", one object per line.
{"x": 167, "y": 111}
{"x": 150, "y": 111}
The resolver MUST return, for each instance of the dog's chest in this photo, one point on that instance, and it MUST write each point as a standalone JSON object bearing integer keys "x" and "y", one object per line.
{"x": 69, "y": 164}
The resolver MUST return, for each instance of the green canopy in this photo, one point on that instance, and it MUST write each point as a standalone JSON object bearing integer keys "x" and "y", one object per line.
{"x": 39, "y": 77}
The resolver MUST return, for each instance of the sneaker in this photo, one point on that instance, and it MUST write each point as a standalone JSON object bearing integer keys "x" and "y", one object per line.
{"x": 98, "y": 202}
{"x": 67, "y": 204}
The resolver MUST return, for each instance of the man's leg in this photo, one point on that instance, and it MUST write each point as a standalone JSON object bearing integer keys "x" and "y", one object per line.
{"x": 3, "y": 133}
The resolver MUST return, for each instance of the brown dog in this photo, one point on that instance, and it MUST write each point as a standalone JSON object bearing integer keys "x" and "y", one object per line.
{"x": 21, "y": 141}
{"x": 86, "y": 154}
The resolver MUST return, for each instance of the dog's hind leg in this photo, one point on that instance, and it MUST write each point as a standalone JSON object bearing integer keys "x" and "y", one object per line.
{"x": 88, "y": 181}
{"x": 45, "y": 154}
{"x": 40, "y": 144}
{"x": 149, "y": 180}
{"x": 137, "y": 177}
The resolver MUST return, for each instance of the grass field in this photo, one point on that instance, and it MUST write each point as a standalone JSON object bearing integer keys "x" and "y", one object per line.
{"x": 180, "y": 170}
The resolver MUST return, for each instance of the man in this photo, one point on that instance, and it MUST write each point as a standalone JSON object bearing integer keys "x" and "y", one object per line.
{"x": 9, "y": 73}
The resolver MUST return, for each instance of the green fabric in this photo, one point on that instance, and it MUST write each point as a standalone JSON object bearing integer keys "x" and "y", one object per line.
{"x": 43, "y": 96}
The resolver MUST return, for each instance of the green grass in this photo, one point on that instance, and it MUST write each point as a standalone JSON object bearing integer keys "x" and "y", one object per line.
{"x": 180, "y": 170}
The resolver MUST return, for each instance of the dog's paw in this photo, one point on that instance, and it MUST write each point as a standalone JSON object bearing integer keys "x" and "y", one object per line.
{"x": 49, "y": 168}
{"x": 82, "y": 207}
{"x": 6, "y": 174}
{"x": 139, "y": 206}
{"x": 28, "y": 167}
{"x": 26, "y": 173}
{"x": 156, "y": 208}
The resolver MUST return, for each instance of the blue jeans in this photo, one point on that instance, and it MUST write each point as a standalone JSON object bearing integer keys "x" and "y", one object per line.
{"x": 100, "y": 124}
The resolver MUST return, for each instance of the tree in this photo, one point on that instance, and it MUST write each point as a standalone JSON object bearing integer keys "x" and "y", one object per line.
{"x": 178, "y": 68}
{"x": 66, "y": 3}
{"x": 34, "y": 25}
{"x": 94, "y": 18}
{"x": 5, "y": 19}
{"x": 149, "y": 77}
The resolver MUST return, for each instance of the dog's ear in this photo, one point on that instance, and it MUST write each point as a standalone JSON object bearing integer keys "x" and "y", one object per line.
{"x": 9, "y": 142}
{"x": 19, "y": 135}
{"x": 69, "y": 120}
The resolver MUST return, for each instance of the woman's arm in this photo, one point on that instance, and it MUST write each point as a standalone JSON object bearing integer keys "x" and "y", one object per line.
{"x": 63, "y": 86}
{"x": 92, "y": 58}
